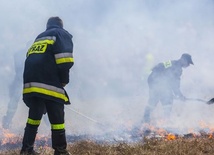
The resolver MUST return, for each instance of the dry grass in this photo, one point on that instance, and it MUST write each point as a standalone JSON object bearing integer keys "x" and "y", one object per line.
{"x": 154, "y": 146}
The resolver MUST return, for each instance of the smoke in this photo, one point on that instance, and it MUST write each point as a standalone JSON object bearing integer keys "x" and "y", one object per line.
{"x": 116, "y": 43}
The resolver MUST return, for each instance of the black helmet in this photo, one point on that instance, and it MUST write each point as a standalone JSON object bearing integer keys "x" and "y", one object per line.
{"x": 54, "y": 21}
{"x": 187, "y": 57}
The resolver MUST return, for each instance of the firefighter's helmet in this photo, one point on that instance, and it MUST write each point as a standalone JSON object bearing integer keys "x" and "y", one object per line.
{"x": 188, "y": 58}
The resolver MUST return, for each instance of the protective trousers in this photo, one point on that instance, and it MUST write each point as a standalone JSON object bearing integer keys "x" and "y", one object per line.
{"x": 28, "y": 142}
{"x": 158, "y": 94}
{"x": 37, "y": 107}
{"x": 59, "y": 142}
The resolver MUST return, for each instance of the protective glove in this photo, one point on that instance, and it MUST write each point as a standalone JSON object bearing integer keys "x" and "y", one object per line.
{"x": 64, "y": 84}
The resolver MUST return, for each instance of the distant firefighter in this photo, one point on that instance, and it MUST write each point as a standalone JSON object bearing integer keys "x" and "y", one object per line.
{"x": 164, "y": 85}
{"x": 15, "y": 88}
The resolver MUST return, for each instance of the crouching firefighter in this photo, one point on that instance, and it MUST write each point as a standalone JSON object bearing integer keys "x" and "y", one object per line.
{"x": 164, "y": 85}
{"x": 46, "y": 73}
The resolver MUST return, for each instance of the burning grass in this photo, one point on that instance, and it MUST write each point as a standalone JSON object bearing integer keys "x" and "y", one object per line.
{"x": 203, "y": 145}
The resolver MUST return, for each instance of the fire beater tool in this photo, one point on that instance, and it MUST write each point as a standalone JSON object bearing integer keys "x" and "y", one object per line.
{"x": 85, "y": 116}
{"x": 211, "y": 101}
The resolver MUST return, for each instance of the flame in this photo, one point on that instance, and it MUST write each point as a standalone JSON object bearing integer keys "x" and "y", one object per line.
{"x": 170, "y": 136}
{"x": 8, "y": 137}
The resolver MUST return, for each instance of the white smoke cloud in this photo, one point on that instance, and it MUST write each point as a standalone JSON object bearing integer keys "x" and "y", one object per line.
{"x": 115, "y": 42}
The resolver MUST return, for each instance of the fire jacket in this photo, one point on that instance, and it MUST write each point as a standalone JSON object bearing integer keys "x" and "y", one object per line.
{"x": 47, "y": 65}
{"x": 165, "y": 77}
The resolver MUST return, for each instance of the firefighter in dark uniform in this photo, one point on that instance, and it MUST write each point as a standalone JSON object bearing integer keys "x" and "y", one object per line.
{"x": 164, "y": 85}
{"x": 46, "y": 73}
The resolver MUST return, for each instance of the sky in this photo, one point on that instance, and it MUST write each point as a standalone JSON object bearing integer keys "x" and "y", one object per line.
{"x": 116, "y": 43}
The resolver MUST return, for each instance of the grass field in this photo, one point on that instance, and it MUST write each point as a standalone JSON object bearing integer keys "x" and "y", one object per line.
{"x": 170, "y": 145}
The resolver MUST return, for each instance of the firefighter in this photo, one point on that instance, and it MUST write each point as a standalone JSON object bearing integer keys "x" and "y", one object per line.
{"x": 164, "y": 85}
{"x": 46, "y": 73}
{"x": 15, "y": 89}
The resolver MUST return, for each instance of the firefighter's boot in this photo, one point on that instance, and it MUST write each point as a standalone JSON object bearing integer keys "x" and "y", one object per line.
{"x": 59, "y": 143}
{"x": 28, "y": 142}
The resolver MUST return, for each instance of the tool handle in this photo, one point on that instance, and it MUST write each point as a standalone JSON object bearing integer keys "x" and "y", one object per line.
{"x": 196, "y": 99}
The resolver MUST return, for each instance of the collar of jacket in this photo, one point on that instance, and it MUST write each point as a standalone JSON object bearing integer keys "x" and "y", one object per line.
{"x": 53, "y": 26}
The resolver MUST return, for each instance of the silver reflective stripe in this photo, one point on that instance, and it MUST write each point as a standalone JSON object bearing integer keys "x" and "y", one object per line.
{"x": 42, "y": 85}
{"x": 63, "y": 55}
{"x": 47, "y": 38}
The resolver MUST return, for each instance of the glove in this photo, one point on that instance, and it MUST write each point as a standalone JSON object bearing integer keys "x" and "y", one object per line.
{"x": 64, "y": 84}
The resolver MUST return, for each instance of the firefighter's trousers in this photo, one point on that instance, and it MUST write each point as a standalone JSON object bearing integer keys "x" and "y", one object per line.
{"x": 158, "y": 94}
{"x": 37, "y": 107}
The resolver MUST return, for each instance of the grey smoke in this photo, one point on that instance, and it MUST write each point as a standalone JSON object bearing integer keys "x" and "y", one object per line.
{"x": 112, "y": 42}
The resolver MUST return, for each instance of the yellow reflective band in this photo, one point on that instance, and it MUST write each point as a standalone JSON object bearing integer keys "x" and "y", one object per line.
{"x": 46, "y": 92}
{"x": 47, "y": 41}
{"x": 39, "y": 46}
{"x": 33, "y": 122}
{"x": 57, "y": 126}
{"x": 64, "y": 60}
{"x": 167, "y": 64}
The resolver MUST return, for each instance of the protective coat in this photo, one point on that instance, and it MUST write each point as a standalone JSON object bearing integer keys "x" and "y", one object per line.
{"x": 47, "y": 65}
{"x": 165, "y": 79}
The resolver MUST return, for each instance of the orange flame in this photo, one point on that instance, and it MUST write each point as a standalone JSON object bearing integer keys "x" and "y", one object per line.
{"x": 8, "y": 137}
{"x": 170, "y": 137}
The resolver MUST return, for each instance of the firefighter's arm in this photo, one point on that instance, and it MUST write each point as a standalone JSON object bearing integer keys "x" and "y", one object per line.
{"x": 64, "y": 57}
{"x": 179, "y": 95}
{"x": 176, "y": 89}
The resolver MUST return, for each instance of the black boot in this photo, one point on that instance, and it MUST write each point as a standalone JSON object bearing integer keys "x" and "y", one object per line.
{"x": 29, "y": 153}
{"x": 59, "y": 143}
{"x": 28, "y": 142}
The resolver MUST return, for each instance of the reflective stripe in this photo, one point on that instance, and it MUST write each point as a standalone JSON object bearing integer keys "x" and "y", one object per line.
{"x": 63, "y": 55}
{"x": 33, "y": 122}
{"x": 45, "y": 92}
{"x": 167, "y": 64}
{"x": 45, "y": 89}
{"x": 57, "y": 126}
{"x": 64, "y": 58}
{"x": 50, "y": 39}
{"x": 40, "y": 45}
{"x": 42, "y": 85}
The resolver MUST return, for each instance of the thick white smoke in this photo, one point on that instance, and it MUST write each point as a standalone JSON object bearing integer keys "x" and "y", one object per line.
{"x": 116, "y": 42}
